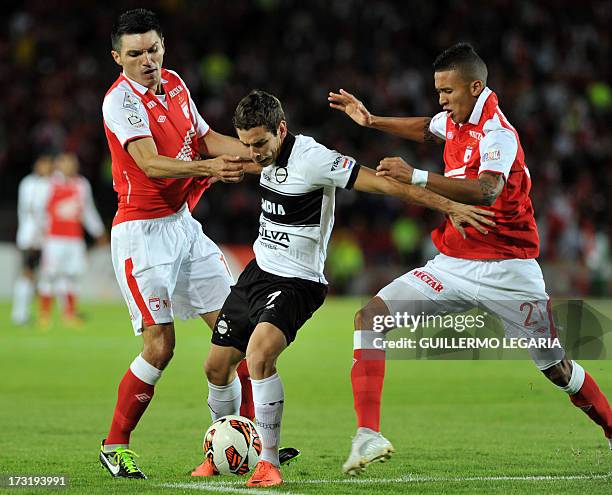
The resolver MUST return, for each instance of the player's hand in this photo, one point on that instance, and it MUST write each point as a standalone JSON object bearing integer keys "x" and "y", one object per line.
{"x": 225, "y": 168}
{"x": 478, "y": 218}
{"x": 347, "y": 103}
{"x": 395, "y": 168}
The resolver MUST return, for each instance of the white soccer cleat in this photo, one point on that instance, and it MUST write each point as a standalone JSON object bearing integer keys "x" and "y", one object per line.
{"x": 368, "y": 446}
{"x": 610, "y": 443}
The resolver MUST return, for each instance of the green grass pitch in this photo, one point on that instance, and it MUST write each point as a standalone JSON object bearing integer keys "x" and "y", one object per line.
{"x": 458, "y": 426}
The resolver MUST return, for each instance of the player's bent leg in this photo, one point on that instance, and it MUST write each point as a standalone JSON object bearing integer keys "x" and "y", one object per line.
{"x": 247, "y": 409}
{"x": 367, "y": 377}
{"x": 265, "y": 345}
{"x": 224, "y": 393}
{"x": 583, "y": 392}
{"x": 134, "y": 395}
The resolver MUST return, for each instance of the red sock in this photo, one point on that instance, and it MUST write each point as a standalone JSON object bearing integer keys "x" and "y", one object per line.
{"x": 69, "y": 309}
{"x": 247, "y": 408}
{"x": 594, "y": 403}
{"x": 133, "y": 398}
{"x": 46, "y": 301}
{"x": 367, "y": 377}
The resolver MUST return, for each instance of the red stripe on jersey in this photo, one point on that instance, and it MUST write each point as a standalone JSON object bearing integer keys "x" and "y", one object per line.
{"x": 147, "y": 319}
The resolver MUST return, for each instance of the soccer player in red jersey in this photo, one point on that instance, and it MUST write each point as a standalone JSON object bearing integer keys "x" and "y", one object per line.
{"x": 164, "y": 264}
{"x": 484, "y": 165}
{"x": 70, "y": 206}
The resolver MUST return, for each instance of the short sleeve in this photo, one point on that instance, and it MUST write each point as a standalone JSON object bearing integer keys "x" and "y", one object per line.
{"x": 325, "y": 167}
{"x": 498, "y": 150}
{"x": 200, "y": 125}
{"x": 125, "y": 116}
{"x": 437, "y": 125}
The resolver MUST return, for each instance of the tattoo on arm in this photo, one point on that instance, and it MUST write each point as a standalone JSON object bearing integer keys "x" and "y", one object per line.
{"x": 428, "y": 137}
{"x": 490, "y": 187}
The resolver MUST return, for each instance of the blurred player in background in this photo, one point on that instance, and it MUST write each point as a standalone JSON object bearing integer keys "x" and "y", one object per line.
{"x": 164, "y": 264}
{"x": 485, "y": 165}
{"x": 70, "y": 206}
{"x": 31, "y": 217}
{"x": 284, "y": 285}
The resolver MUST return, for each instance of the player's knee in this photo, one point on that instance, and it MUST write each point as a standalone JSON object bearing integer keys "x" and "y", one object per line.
{"x": 217, "y": 372}
{"x": 560, "y": 373}
{"x": 367, "y": 317}
{"x": 159, "y": 353}
{"x": 261, "y": 363}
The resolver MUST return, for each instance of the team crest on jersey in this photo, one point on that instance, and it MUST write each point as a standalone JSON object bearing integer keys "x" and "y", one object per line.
{"x": 130, "y": 101}
{"x": 154, "y": 303}
{"x": 449, "y": 135}
{"x": 281, "y": 174}
{"x": 468, "y": 154}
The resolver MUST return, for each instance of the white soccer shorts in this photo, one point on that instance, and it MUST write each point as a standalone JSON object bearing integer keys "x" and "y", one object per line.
{"x": 167, "y": 267}
{"x": 63, "y": 257}
{"x": 512, "y": 289}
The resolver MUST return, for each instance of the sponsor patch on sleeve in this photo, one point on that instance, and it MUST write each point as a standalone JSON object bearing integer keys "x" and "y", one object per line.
{"x": 130, "y": 101}
{"x": 134, "y": 120}
{"x": 491, "y": 156}
{"x": 344, "y": 162}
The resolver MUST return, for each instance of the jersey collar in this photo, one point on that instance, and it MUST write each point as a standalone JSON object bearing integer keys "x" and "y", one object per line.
{"x": 139, "y": 87}
{"x": 285, "y": 151}
{"x": 480, "y": 103}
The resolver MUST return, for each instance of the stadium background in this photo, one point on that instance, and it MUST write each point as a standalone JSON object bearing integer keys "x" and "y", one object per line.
{"x": 548, "y": 61}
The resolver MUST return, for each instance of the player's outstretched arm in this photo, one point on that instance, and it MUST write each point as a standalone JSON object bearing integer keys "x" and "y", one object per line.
{"x": 413, "y": 128}
{"x": 144, "y": 152}
{"x": 216, "y": 144}
{"x": 481, "y": 191}
{"x": 460, "y": 214}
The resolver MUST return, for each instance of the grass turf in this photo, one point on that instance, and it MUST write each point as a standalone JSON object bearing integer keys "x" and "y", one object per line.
{"x": 458, "y": 426}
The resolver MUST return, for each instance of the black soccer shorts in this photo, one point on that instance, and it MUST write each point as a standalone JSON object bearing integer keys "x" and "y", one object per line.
{"x": 258, "y": 297}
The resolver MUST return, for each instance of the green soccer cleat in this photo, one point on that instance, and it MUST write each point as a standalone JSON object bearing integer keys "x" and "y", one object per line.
{"x": 287, "y": 455}
{"x": 120, "y": 463}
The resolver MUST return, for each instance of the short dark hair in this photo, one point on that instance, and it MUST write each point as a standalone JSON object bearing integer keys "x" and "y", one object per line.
{"x": 259, "y": 108}
{"x": 136, "y": 21}
{"x": 463, "y": 58}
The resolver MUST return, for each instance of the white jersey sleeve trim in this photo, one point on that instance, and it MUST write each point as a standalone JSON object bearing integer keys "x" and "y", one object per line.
{"x": 498, "y": 148}
{"x": 437, "y": 125}
{"x": 125, "y": 115}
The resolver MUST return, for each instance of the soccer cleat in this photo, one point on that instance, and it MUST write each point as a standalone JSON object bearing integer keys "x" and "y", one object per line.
{"x": 287, "y": 455}
{"x": 120, "y": 463}
{"x": 367, "y": 448}
{"x": 265, "y": 474}
{"x": 207, "y": 468}
{"x": 610, "y": 443}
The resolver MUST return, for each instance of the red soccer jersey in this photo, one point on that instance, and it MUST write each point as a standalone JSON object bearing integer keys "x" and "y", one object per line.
{"x": 488, "y": 143}
{"x": 70, "y": 205}
{"x": 131, "y": 111}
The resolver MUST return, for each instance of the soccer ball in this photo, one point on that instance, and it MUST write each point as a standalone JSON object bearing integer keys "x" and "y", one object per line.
{"x": 233, "y": 444}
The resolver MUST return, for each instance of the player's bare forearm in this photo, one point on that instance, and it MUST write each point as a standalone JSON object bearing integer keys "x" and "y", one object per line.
{"x": 215, "y": 144}
{"x": 155, "y": 166}
{"x": 413, "y": 128}
{"x": 482, "y": 191}
{"x": 368, "y": 181}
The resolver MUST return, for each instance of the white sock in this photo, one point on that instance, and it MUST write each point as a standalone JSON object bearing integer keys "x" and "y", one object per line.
{"x": 269, "y": 398}
{"x": 22, "y": 298}
{"x": 224, "y": 399}
{"x": 576, "y": 380}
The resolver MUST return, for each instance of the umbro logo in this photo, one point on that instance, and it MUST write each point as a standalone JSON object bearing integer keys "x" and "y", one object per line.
{"x": 143, "y": 397}
{"x": 161, "y": 119}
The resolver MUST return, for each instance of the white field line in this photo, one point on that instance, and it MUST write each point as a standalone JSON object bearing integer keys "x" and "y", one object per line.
{"x": 225, "y": 487}
{"x": 238, "y": 486}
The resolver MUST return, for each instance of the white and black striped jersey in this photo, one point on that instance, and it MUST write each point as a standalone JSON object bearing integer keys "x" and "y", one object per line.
{"x": 297, "y": 207}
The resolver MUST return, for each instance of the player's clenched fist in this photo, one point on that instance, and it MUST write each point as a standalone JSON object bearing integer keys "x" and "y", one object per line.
{"x": 395, "y": 168}
{"x": 354, "y": 108}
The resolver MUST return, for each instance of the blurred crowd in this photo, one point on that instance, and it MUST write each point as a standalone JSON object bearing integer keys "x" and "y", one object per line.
{"x": 549, "y": 62}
